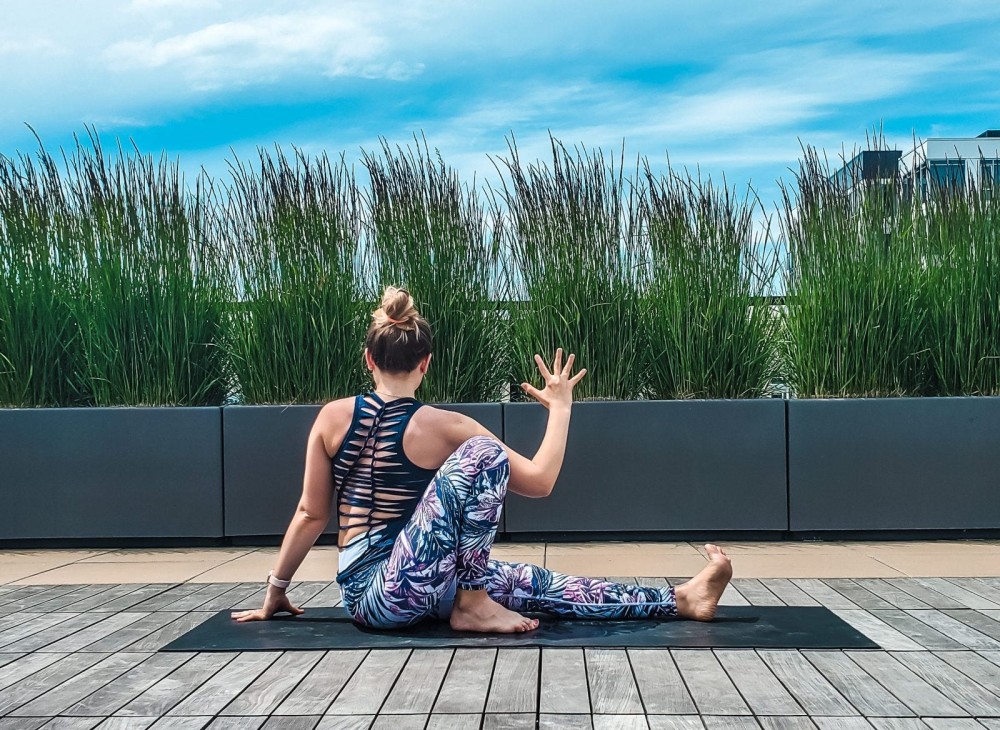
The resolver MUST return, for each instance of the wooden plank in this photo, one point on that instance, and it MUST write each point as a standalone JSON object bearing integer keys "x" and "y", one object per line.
{"x": 564, "y": 687}
{"x": 161, "y": 637}
{"x": 128, "y": 635}
{"x": 980, "y": 587}
{"x": 842, "y": 723}
{"x": 952, "y": 723}
{"x": 125, "y": 688}
{"x": 506, "y": 721}
{"x": 177, "y": 685}
{"x": 191, "y": 722}
{"x": 65, "y": 601}
{"x": 25, "y": 666}
{"x": 968, "y": 599}
{"x": 37, "y": 622}
{"x": 956, "y": 686}
{"x": 976, "y": 620}
{"x": 514, "y": 687}
{"x": 132, "y": 600}
{"x": 303, "y": 591}
{"x": 165, "y": 598}
{"x": 732, "y": 597}
{"x": 857, "y": 594}
{"x": 290, "y": 723}
{"x": 370, "y": 684}
{"x": 708, "y": 683}
{"x": 620, "y": 722}
{"x": 755, "y": 592}
{"x": 823, "y": 593}
{"x": 13, "y": 594}
{"x": 346, "y": 722}
{"x": 418, "y": 685}
{"x": 191, "y": 601}
{"x": 861, "y": 690}
{"x": 467, "y": 683}
{"x": 716, "y": 722}
{"x": 974, "y": 666}
{"x": 810, "y": 688}
{"x": 759, "y": 687}
{"x": 612, "y": 687}
{"x": 876, "y": 630}
{"x": 22, "y": 723}
{"x": 27, "y": 689}
{"x": 317, "y": 691}
{"x": 226, "y": 684}
{"x": 890, "y": 594}
{"x": 52, "y": 634}
{"x": 100, "y": 601}
{"x": 787, "y": 722}
{"x": 916, "y": 630}
{"x": 456, "y": 722}
{"x": 231, "y": 723}
{"x": 788, "y": 592}
{"x": 554, "y": 722}
{"x": 660, "y": 685}
{"x": 83, "y": 638}
{"x": 8, "y": 657}
{"x": 67, "y": 693}
{"x": 329, "y": 596}
{"x": 267, "y": 691}
{"x": 31, "y": 596}
{"x": 968, "y": 637}
{"x": 910, "y": 689}
{"x": 400, "y": 722}
{"x": 931, "y": 598}
{"x": 248, "y": 595}
{"x": 675, "y": 722}
{"x": 126, "y": 723}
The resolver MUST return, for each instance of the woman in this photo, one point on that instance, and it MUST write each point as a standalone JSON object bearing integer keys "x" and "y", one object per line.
{"x": 419, "y": 495}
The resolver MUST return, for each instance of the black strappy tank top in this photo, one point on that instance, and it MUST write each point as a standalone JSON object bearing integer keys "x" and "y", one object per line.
{"x": 371, "y": 472}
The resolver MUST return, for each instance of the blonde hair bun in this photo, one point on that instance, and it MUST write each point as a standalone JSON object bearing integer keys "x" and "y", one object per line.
{"x": 398, "y": 309}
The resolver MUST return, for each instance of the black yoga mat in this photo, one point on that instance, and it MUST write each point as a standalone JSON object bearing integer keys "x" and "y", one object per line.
{"x": 735, "y": 627}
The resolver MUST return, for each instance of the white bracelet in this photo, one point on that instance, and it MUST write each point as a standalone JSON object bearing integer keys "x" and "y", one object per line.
{"x": 277, "y": 582}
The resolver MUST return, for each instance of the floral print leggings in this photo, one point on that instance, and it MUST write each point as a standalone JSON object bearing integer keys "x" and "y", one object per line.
{"x": 446, "y": 544}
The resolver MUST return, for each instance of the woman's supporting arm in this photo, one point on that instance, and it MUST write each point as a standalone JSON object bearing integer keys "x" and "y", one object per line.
{"x": 310, "y": 519}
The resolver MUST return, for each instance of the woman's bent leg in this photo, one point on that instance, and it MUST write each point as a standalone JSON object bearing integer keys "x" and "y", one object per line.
{"x": 525, "y": 587}
{"x": 446, "y": 541}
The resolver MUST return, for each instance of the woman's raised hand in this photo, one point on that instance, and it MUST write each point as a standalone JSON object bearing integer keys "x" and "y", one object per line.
{"x": 558, "y": 388}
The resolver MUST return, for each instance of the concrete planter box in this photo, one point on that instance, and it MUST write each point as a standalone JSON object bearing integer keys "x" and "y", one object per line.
{"x": 70, "y": 473}
{"x": 894, "y": 464}
{"x": 660, "y": 466}
{"x": 265, "y": 449}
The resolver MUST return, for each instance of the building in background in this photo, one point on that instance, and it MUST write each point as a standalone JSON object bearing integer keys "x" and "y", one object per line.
{"x": 954, "y": 161}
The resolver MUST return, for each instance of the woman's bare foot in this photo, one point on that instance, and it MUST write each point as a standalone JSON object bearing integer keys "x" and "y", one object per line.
{"x": 698, "y": 598}
{"x": 476, "y": 611}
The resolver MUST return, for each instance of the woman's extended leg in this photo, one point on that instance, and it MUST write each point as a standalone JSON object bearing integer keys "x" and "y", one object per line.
{"x": 525, "y": 587}
{"x": 447, "y": 541}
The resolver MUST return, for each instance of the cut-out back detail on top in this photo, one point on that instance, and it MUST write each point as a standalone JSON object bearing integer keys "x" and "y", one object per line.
{"x": 378, "y": 487}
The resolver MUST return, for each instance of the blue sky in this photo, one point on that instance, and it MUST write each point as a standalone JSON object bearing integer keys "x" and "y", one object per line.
{"x": 732, "y": 87}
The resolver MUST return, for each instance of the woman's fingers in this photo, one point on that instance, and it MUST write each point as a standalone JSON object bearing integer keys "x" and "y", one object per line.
{"x": 557, "y": 363}
{"x": 569, "y": 365}
{"x": 532, "y": 391}
{"x": 542, "y": 368}
{"x": 578, "y": 377}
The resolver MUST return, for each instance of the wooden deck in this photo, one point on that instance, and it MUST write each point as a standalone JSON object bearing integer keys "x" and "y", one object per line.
{"x": 85, "y": 656}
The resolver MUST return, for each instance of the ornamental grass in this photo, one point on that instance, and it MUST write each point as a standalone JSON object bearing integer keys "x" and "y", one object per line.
{"x": 293, "y": 227}
{"x": 709, "y": 326}
{"x": 573, "y": 268}
{"x": 431, "y": 235}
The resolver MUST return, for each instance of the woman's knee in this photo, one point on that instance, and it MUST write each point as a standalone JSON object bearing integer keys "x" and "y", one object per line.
{"x": 486, "y": 451}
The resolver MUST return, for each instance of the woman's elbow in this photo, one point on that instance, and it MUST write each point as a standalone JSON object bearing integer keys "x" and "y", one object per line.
{"x": 314, "y": 517}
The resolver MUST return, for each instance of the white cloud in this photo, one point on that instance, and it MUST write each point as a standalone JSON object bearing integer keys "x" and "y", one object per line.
{"x": 263, "y": 49}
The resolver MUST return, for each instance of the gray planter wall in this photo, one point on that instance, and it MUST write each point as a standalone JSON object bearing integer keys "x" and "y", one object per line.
{"x": 658, "y": 466}
{"x": 894, "y": 464}
{"x": 265, "y": 449}
{"x": 110, "y": 472}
